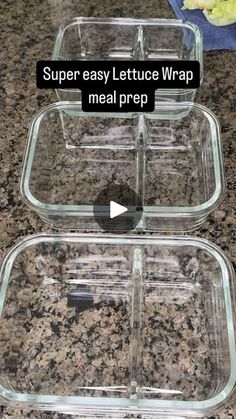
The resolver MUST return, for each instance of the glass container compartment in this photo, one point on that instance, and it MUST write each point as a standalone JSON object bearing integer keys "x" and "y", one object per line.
{"x": 104, "y": 325}
{"x": 118, "y": 39}
{"x": 173, "y": 163}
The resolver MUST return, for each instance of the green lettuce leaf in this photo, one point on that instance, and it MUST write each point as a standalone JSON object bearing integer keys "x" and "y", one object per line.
{"x": 200, "y": 4}
{"x": 217, "y": 12}
{"x": 222, "y": 14}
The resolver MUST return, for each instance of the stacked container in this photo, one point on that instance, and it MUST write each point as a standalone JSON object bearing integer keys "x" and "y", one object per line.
{"x": 110, "y": 325}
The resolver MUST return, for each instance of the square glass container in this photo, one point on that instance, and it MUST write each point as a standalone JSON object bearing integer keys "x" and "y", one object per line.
{"x": 174, "y": 164}
{"x": 129, "y": 39}
{"x": 99, "y": 325}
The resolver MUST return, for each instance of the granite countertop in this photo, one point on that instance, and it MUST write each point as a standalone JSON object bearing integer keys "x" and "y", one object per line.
{"x": 27, "y": 34}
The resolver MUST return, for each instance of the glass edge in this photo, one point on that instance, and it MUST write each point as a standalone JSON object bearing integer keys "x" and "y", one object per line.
{"x": 44, "y": 208}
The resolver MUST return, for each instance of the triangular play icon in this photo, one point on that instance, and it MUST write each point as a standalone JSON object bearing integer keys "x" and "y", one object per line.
{"x": 116, "y": 209}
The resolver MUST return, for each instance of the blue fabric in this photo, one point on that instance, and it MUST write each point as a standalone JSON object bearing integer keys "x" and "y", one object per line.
{"x": 214, "y": 37}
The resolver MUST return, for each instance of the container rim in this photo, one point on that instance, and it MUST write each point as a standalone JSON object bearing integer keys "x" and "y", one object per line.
{"x": 150, "y": 211}
{"x": 143, "y": 405}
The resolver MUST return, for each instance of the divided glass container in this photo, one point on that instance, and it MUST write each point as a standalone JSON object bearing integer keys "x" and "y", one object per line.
{"x": 99, "y": 325}
{"x": 119, "y": 39}
{"x": 171, "y": 158}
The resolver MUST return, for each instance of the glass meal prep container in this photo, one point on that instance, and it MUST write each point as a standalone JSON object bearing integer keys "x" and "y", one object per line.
{"x": 104, "y": 325}
{"x": 174, "y": 164}
{"x": 118, "y": 39}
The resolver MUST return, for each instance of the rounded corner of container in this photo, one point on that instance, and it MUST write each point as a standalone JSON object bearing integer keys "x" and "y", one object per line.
{"x": 193, "y": 26}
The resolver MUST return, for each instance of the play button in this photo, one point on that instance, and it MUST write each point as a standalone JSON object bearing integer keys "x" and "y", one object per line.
{"x": 117, "y": 208}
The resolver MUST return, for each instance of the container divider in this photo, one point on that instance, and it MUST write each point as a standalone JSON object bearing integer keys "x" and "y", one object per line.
{"x": 138, "y": 43}
{"x": 140, "y": 38}
{"x": 140, "y": 167}
{"x": 136, "y": 323}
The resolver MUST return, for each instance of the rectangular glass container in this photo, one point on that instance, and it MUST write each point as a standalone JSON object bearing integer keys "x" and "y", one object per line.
{"x": 102, "y": 325}
{"x": 85, "y": 38}
{"x": 174, "y": 164}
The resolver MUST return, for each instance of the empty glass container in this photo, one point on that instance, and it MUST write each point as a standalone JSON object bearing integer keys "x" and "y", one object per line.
{"x": 85, "y": 38}
{"x": 173, "y": 163}
{"x": 113, "y": 325}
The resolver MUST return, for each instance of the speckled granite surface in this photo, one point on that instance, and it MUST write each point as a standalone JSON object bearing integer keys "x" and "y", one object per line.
{"x": 27, "y": 34}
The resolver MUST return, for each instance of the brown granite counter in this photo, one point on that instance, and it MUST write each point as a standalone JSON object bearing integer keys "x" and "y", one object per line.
{"x": 27, "y": 34}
